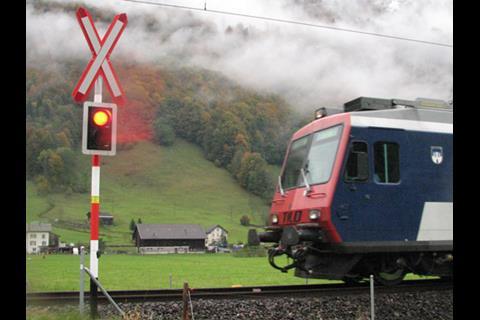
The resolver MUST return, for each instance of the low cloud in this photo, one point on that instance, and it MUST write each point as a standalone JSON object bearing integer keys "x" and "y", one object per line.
{"x": 308, "y": 66}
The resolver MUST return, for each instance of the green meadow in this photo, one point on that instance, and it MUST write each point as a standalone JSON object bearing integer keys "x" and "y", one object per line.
{"x": 130, "y": 272}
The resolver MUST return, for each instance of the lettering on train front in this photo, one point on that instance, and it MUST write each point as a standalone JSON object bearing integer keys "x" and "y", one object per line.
{"x": 292, "y": 217}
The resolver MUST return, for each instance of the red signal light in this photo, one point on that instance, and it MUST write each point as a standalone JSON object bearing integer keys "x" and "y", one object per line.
{"x": 99, "y": 128}
{"x": 101, "y": 118}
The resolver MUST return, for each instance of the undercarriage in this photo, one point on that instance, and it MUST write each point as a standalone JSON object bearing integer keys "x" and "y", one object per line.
{"x": 311, "y": 257}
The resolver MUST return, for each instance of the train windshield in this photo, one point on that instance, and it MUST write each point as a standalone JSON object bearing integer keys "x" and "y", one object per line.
{"x": 316, "y": 154}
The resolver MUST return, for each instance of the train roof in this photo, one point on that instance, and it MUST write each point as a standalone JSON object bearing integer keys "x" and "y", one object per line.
{"x": 412, "y": 114}
{"x": 422, "y": 114}
{"x": 408, "y": 119}
{"x": 368, "y": 103}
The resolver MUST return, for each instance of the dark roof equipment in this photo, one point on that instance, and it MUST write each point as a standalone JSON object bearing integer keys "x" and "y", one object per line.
{"x": 367, "y": 103}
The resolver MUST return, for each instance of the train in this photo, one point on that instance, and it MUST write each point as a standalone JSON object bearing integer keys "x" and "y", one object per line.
{"x": 366, "y": 191}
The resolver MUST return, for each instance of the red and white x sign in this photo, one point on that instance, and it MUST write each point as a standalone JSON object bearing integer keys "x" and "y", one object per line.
{"x": 100, "y": 63}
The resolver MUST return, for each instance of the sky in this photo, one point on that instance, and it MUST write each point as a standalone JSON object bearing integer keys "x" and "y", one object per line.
{"x": 310, "y": 67}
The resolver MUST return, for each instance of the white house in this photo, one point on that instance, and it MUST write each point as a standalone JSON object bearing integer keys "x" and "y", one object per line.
{"x": 216, "y": 235}
{"x": 38, "y": 235}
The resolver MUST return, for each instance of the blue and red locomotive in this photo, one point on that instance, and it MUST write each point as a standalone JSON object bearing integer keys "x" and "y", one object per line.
{"x": 367, "y": 191}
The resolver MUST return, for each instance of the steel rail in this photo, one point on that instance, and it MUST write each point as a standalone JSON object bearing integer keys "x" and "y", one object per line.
{"x": 240, "y": 292}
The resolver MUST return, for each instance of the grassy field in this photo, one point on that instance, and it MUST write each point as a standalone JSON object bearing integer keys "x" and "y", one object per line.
{"x": 158, "y": 185}
{"x": 122, "y": 272}
{"x": 130, "y": 272}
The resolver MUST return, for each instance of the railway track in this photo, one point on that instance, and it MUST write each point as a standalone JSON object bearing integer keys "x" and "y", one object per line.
{"x": 239, "y": 292}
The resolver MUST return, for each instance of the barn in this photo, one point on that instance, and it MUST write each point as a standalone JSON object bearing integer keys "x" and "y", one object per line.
{"x": 169, "y": 238}
{"x": 105, "y": 218}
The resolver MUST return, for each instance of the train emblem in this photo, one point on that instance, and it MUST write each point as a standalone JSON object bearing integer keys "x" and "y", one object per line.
{"x": 437, "y": 154}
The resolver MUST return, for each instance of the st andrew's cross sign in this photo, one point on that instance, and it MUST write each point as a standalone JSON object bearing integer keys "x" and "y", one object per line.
{"x": 100, "y": 63}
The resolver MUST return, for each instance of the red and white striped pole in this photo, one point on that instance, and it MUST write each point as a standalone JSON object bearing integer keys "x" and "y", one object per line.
{"x": 94, "y": 214}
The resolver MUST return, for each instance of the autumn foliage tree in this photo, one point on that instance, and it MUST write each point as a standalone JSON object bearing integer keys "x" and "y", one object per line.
{"x": 238, "y": 129}
{"x": 53, "y": 128}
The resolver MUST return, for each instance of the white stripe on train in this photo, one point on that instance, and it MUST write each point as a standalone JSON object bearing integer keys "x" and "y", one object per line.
{"x": 413, "y": 125}
{"x": 437, "y": 222}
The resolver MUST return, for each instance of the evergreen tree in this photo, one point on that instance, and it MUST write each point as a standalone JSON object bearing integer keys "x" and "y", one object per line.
{"x": 132, "y": 225}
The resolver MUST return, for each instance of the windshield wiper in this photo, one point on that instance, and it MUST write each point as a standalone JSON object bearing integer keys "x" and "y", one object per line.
{"x": 280, "y": 186}
{"x": 309, "y": 189}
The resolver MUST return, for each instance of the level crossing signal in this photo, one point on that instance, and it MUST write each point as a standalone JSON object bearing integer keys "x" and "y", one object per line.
{"x": 99, "y": 128}
{"x": 99, "y": 64}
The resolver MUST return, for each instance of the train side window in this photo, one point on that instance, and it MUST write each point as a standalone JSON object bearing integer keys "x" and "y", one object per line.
{"x": 387, "y": 162}
{"x": 357, "y": 162}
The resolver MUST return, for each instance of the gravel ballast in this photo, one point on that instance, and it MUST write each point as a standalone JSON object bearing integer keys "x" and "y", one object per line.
{"x": 436, "y": 305}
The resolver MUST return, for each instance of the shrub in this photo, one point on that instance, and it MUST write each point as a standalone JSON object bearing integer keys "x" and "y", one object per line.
{"x": 43, "y": 186}
{"x": 164, "y": 133}
{"x": 245, "y": 220}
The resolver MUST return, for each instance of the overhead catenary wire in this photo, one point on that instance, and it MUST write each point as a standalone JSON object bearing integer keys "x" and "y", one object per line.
{"x": 204, "y": 9}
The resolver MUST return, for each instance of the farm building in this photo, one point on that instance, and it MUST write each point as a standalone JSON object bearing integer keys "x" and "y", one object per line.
{"x": 216, "y": 236}
{"x": 39, "y": 237}
{"x": 105, "y": 218}
{"x": 169, "y": 238}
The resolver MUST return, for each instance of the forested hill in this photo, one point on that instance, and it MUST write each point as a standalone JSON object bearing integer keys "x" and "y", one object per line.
{"x": 238, "y": 129}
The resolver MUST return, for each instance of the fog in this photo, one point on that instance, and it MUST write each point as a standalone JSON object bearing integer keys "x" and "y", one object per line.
{"x": 308, "y": 66}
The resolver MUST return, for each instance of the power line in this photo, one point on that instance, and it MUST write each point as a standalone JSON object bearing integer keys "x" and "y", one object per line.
{"x": 290, "y": 21}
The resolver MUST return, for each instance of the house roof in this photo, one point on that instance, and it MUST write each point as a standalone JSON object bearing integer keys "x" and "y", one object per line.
{"x": 39, "y": 227}
{"x": 213, "y": 227}
{"x": 170, "y": 231}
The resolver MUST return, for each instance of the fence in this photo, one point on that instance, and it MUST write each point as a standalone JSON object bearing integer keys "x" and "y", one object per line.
{"x": 250, "y": 251}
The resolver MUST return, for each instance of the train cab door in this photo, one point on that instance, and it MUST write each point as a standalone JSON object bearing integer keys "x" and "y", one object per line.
{"x": 351, "y": 190}
{"x": 367, "y": 206}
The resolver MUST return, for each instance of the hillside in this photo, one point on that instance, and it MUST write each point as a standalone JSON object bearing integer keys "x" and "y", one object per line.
{"x": 193, "y": 147}
{"x": 158, "y": 184}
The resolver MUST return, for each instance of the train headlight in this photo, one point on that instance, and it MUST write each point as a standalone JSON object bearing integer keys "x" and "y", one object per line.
{"x": 320, "y": 113}
{"x": 314, "y": 214}
{"x": 274, "y": 219}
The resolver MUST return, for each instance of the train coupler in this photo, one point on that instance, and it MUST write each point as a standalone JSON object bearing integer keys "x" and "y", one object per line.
{"x": 296, "y": 256}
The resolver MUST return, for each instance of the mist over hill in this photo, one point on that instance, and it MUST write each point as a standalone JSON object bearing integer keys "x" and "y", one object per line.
{"x": 309, "y": 67}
